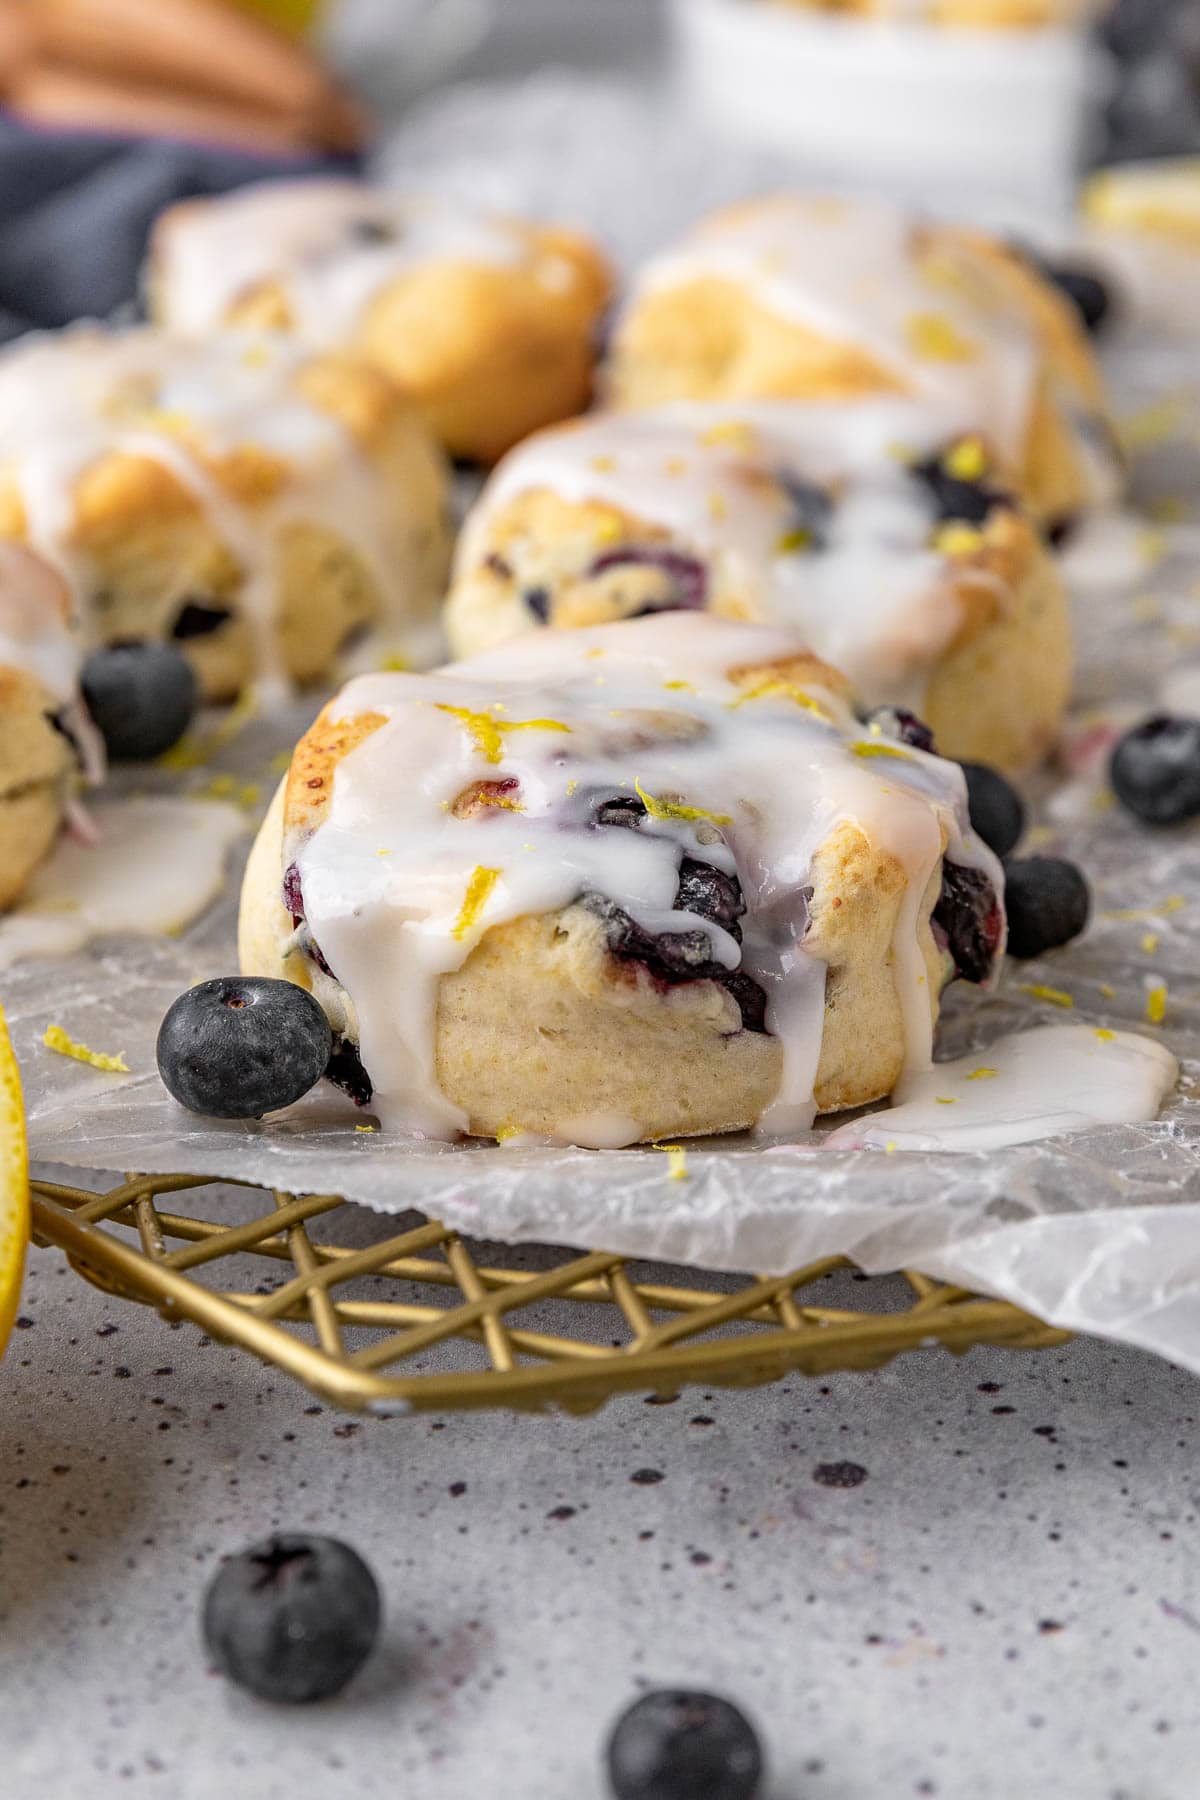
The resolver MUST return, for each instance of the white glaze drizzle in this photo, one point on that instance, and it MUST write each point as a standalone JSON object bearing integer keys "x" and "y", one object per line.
{"x": 153, "y": 866}
{"x": 875, "y": 597}
{"x": 1027, "y": 1085}
{"x": 943, "y": 328}
{"x": 37, "y": 637}
{"x": 302, "y": 234}
{"x": 386, "y": 875}
{"x": 69, "y": 399}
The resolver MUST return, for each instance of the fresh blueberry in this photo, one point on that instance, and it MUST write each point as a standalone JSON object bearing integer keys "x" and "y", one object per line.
{"x": 970, "y": 918}
{"x": 1155, "y": 770}
{"x": 196, "y": 618}
{"x": 241, "y": 1046}
{"x": 1048, "y": 903}
{"x": 672, "y": 957}
{"x": 687, "y": 577}
{"x": 811, "y": 510}
{"x": 142, "y": 697}
{"x": 997, "y": 810}
{"x": 292, "y": 1618}
{"x": 537, "y": 599}
{"x": 896, "y": 722}
{"x": 677, "y": 1745}
{"x": 958, "y": 500}
{"x": 712, "y": 894}
{"x": 1084, "y": 289}
{"x": 622, "y": 810}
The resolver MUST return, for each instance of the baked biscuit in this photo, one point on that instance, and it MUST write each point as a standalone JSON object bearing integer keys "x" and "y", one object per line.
{"x": 260, "y": 506}
{"x": 1141, "y": 231}
{"x": 904, "y": 563}
{"x": 978, "y": 15}
{"x": 487, "y": 324}
{"x": 650, "y": 879}
{"x": 47, "y": 744}
{"x": 816, "y": 298}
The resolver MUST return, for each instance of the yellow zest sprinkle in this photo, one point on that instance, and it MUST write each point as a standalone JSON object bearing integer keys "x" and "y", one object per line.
{"x": 507, "y": 1131}
{"x": 388, "y": 852}
{"x": 900, "y": 452}
{"x": 1053, "y": 996}
{"x": 1151, "y": 544}
{"x": 791, "y": 541}
{"x": 674, "y": 466}
{"x": 946, "y": 1099}
{"x": 1153, "y": 425}
{"x": 594, "y": 653}
{"x": 775, "y": 688}
{"x": 982, "y": 1074}
{"x": 280, "y": 763}
{"x": 934, "y": 337}
{"x": 57, "y": 1039}
{"x": 1169, "y": 509}
{"x": 478, "y": 888}
{"x": 1156, "y": 1003}
{"x": 193, "y": 752}
{"x": 889, "y": 1149}
{"x": 717, "y": 508}
{"x": 609, "y": 530}
{"x": 679, "y": 687}
{"x": 677, "y": 1169}
{"x": 394, "y": 664}
{"x": 571, "y": 786}
{"x": 733, "y": 432}
{"x": 256, "y": 356}
{"x": 1150, "y": 942}
{"x": 488, "y": 732}
{"x": 866, "y": 748}
{"x": 1105, "y": 1035}
{"x": 1172, "y": 904}
{"x": 219, "y": 788}
{"x": 957, "y": 539}
{"x": 672, "y": 809}
{"x": 1110, "y": 993}
{"x": 366, "y": 1128}
{"x": 604, "y": 465}
{"x": 967, "y": 460}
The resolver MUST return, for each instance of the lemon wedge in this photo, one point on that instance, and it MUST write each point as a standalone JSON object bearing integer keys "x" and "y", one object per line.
{"x": 14, "y": 1184}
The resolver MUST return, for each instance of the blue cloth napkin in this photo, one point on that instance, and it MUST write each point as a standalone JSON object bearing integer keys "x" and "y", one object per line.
{"x": 76, "y": 210}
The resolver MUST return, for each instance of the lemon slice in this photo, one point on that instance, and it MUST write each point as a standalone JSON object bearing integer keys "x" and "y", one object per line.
{"x": 14, "y": 1184}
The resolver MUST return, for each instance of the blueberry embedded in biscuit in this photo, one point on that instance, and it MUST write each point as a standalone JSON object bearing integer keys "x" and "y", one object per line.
{"x": 960, "y": 481}
{"x": 970, "y": 917}
{"x": 684, "y": 584}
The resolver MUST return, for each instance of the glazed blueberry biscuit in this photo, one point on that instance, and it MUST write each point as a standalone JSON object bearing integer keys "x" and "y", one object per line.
{"x": 903, "y": 562}
{"x": 47, "y": 743}
{"x": 485, "y": 323}
{"x": 1141, "y": 229}
{"x": 648, "y": 879}
{"x": 259, "y": 506}
{"x": 815, "y": 298}
{"x": 983, "y": 15}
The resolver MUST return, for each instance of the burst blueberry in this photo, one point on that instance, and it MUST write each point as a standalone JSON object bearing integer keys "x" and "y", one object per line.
{"x": 1048, "y": 903}
{"x": 969, "y": 916}
{"x": 997, "y": 810}
{"x": 1155, "y": 770}
{"x": 142, "y": 697}
{"x": 241, "y": 1046}
{"x": 897, "y": 722}
{"x": 292, "y": 1618}
{"x": 687, "y": 579}
{"x": 678, "y": 1745}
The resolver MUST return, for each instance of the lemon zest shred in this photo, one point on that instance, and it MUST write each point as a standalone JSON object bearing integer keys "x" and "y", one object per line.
{"x": 801, "y": 538}
{"x": 982, "y": 1074}
{"x": 935, "y": 338}
{"x": 1052, "y": 995}
{"x": 718, "y": 507}
{"x": 604, "y": 465}
{"x": 676, "y": 1155}
{"x": 778, "y": 689}
{"x": 1110, "y": 993}
{"x": 394, "y": 663}
{"x": 967, "y": 460}
{"x": 1150, "y": 942}
{"x": 55, "y": 1038}
{"x": 957, "y": 540}
{"x": 366, "y": 1128}
{"x": 865, "y": 748}
{"x": 732, "y": 432}
{"x": 1152, "y": 425}
{"x": 946, "y": 1099}
{"x": 193, "y": 751}
{"x": 1105, "y": 1035}
{"x": 1156, "y": 1003}
{"x": 889, "y": 1149}
{"x": 507, "y": 1131}
{"x": 487, "y": 732}
{"x": 680, "y": 687}
{"x": 475, "y": 899}
{"x": 672, "y": 809}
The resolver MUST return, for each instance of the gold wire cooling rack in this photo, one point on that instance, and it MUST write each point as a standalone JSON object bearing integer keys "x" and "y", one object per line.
{"x": 296, "y": 1301}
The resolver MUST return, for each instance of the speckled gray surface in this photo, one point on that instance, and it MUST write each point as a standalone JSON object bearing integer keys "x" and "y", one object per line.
{"x": 1005, "y": 1603}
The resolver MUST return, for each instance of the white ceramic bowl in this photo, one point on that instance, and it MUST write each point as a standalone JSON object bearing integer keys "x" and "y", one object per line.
{"x": 925, "y": 111}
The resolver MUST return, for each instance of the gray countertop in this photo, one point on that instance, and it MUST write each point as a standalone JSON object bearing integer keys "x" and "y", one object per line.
{"x": 1006, "y": 1603}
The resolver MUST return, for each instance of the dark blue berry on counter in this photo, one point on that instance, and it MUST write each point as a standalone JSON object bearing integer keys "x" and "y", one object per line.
{"x": 896, "y": 722}
{"x": 997, "y": 810}
{"x": 676, "y": 1745}
{"x": 969, "y": 916}
{"x": 241, "y": 1046}
{"x": 142, "y": 696}
{"x": 1155, "y": 770}
{"x": 292, "y": 1618}
{"x": 1048, "y": 903}
{"x": 1086, "y": 292}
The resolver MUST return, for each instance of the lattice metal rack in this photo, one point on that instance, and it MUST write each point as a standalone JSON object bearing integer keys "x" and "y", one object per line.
{"x": 365, "y": 1354}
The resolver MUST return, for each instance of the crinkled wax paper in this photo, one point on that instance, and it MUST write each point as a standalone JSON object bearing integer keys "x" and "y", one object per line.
{"x": 1099, "y": 1231}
